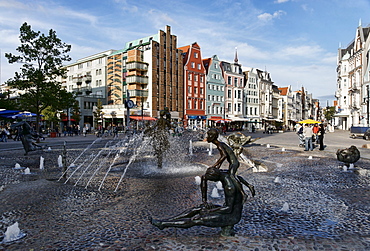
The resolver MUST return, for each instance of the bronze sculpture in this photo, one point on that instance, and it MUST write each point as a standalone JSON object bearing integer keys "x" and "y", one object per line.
{"x": 28, "y": 135}
{"x": 237, "y": 140}
{"x": 210, "y": 215}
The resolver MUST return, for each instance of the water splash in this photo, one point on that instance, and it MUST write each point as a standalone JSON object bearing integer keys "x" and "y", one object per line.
{"x": 13, "y": 233}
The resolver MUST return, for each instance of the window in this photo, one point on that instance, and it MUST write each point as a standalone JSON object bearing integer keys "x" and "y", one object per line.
{"x": 228, "y": 93}
{"x": 189, "y": 104}
{"x": 229, "y": 80}
{"x": 189, "y": 76}
{"x": 100, "y": 61}
{"x": 235, "y": 82}
{"x": 201, "y": 90}
{"x": 195, "y": 90}
{"x": 209, "y": 97}
{"x": 199, "y": 66}
{"x": 239, "y": 94}
{"x": 189, "y": 89}
{"x": 209, "y": 110}
{"x": 195, "y": 77}
{"x": 216, "y": 65}
{"x": 228, "y": 107}
{"x": 80, "y": 66}
{"x": 192, "y": 65}
{"x": 196, "y": 54}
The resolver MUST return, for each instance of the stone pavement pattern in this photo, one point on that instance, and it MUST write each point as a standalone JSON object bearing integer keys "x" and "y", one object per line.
{"x": 328, "y": 209}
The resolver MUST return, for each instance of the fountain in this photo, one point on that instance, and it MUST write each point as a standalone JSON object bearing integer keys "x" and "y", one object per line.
{"x": 60, "y": 161}
{"x": 107, "y": 162}
{"x": 42, "y": 163}
{"x": 190, "y": 147}
{"x": 210, "y": 149}
{"x": 17, "y": 166}
{"x": 13, "y": 233}
{"x": 27, "y": 171}
{"x": 215, "y": 193}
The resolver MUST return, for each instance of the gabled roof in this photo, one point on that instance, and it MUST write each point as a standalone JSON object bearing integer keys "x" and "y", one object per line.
{"x": 283, "y": 90}
{"x": 207, "y": 62}
{"x": 184, "y": 48}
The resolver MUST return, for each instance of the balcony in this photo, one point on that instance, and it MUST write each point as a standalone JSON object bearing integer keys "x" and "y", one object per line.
{"x": 137, "y": 66}
{"x": 86, "y": 78}
{"x": 87, "y": 90}
{"x": 138, "y": 93}
{"x": 77, "y": 80}
{"x": 136, "y": 79}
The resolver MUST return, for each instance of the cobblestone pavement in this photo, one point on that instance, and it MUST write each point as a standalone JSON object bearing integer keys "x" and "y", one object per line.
{"x": 301, "y": 204}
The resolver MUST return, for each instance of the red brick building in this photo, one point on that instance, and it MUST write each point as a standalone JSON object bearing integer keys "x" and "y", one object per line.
{"x": 194, "y": 87}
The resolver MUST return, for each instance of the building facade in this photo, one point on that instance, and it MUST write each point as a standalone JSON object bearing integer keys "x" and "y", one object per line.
{"x": 194, "y": 87}
{"x": 353, "y": 81}
{"x": 215, "y": 89}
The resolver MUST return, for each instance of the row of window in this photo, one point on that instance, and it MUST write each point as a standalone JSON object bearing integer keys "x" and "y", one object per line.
{"x": 195, "y": 104}
{"x": 237, "y": 94}
{"x": 88, "y": 64}
{"x": 215, "y": 110}
{"x": 216, "y": 88}
{"x": 215, "y": 98}
{"x": 196, "y": 77}
{"x": 195, "y": 89}
{"x": 199, "y": 66}
{"x": 238, "y": 82}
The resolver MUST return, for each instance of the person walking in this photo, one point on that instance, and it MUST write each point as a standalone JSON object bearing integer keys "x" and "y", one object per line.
{"x": 300, "y": 135}
{"x": 307, "y": 132}
{"x": 321, "y": 136}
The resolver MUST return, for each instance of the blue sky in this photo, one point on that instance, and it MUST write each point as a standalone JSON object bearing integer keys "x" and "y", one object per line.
{"x": 295, "y": 40}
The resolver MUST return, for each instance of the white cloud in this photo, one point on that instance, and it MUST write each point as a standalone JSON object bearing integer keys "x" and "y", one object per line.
{"x": 281, "y": 1}
{"x": 268, "y": 17}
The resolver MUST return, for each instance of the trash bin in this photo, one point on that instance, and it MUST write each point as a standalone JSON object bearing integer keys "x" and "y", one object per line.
{"x": 53, "y": 134}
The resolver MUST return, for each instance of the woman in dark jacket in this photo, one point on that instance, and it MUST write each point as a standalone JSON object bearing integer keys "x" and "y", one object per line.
{"x": 321, "y": 136}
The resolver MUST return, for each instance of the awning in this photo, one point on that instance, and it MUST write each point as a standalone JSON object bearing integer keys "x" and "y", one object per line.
{"x": 223, "y": 121}
{"x": 239, "y": 119}
{"x": 196, "y": 117}
{"x": 341, "y": 115}
{"x": 142, "y": 118}
{"x": 215, "y": 118}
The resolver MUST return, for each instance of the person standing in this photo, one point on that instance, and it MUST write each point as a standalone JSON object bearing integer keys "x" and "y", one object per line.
{"x": 315, "y": 130}
{"x": 300, "y": 135}
{"x": 307, "y": 132}
{"x": 321, "y": 136}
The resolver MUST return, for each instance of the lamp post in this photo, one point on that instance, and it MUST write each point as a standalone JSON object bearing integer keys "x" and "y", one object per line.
{"x": 367, "y": 104}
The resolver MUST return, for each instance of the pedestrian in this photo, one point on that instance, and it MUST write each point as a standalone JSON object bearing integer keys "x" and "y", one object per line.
{"x": 315, "y": 130}
{"x": 3, "y": 135}
{"x": 84, "y": 131}
{"x": 321, "y": 136}
{"x": 300, "y": 135}
{"x": 307, "y": 132}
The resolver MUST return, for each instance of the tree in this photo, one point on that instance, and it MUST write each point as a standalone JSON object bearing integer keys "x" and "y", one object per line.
{"x": 329, "y": 113}
{"x": 42, "y": 57}
{"x": 98, "y": 112}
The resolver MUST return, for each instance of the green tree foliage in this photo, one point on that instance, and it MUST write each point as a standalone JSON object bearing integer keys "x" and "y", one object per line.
{"x": 41, "y": 57}
{"x": 329, "y": 113}
{"x": 6, "y": 103}
{"x": 98, "y": 111}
